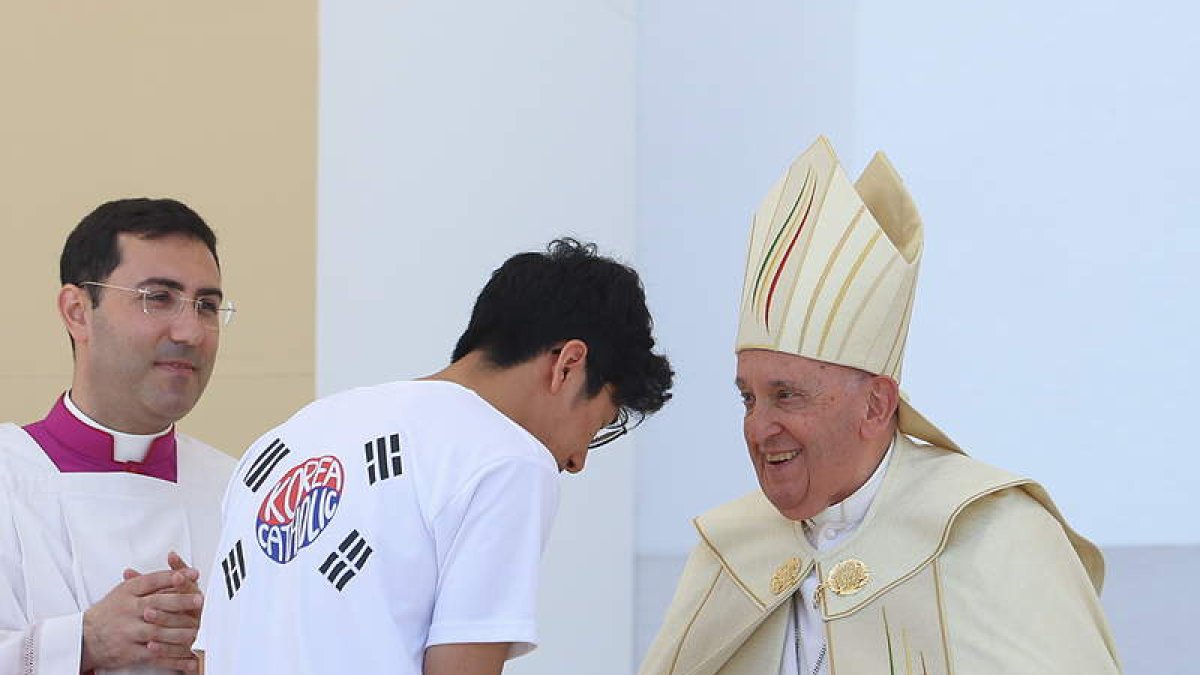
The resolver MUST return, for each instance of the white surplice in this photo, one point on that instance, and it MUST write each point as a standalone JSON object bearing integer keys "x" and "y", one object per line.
{"x": 65, "y": 539}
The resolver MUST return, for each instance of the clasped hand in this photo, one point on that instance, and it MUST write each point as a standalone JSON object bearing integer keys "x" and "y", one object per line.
{"x": 149, "y": 619}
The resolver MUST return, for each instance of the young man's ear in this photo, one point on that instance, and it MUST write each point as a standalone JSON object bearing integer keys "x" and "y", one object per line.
{"x": 73, "y": 305}
{"x": 570, "y": 361}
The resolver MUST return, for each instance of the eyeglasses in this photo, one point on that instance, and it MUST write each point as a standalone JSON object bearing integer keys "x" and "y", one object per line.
{"x": 167, "y": 303}
{"x": 614, "y": 430}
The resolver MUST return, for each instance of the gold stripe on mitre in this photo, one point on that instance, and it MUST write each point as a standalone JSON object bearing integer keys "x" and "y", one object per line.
{"x": 831, "y": 271}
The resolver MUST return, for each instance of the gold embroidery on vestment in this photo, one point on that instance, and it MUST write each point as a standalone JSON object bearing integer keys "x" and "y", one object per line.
{"x": 848, "y": 577}
{"x": 785, "y": 576}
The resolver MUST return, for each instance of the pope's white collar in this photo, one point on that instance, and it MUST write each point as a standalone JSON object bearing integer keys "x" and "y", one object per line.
{"x": 126, "y": 447}
{"x": 850, "y": 511}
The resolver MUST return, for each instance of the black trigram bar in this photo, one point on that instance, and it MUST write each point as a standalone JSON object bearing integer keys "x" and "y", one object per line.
{"x": 383, "y": 458}
{"x": 347, "y": 561}
{"x": 264, "y": 464}
{"x": 234, "y": 566}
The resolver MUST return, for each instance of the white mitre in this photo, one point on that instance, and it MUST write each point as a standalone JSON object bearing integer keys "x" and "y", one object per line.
{"x": 831, "y": 271}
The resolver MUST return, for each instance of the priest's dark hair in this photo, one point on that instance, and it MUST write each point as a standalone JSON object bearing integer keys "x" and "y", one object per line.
{"x": 92, "y": 251}
{"x": 536, "y": 301}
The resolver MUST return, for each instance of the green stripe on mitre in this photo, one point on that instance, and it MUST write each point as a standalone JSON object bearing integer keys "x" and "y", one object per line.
{"x": 774, "y": 244}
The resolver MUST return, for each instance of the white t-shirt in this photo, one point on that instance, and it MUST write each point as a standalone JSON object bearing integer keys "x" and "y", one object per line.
{"x": 375, "y": 523}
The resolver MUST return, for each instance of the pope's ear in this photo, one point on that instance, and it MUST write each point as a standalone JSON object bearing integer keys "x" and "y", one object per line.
{"x": 883, "y": 398}
{"x": 73, "y": 305}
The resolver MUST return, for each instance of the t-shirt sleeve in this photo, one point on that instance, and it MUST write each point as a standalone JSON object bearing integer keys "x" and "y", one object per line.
{"x": 216, "y": 598}
{"x": 213, "y": 608}
{"x": 490, "y": 538}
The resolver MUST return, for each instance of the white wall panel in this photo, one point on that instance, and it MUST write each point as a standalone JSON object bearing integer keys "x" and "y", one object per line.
{"x": 453, "y": 135}
{"x": 728, "y": 94}
{"x": 1052, "y": 149}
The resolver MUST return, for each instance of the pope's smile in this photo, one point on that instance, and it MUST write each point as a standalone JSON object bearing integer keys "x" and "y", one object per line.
{"x": 781, "y": 457}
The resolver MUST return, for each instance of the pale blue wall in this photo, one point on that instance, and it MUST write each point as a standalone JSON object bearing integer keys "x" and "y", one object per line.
{"x": 728, "y": 94}
{"x": 452, "y": 135}
{"x": 1051, "y": 148}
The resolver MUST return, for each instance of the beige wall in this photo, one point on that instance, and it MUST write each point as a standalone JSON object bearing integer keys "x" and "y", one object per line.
{"x": 213, "y": 103}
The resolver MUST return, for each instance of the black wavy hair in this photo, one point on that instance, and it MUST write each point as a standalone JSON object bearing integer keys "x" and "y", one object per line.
{"x": 92, "y": 252}
{"x": 536, "y": 301}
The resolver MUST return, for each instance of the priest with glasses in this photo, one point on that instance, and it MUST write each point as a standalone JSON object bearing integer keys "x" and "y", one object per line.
{"x": 106, "y": 513}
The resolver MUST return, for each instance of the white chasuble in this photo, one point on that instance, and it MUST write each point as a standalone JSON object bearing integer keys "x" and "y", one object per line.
{"x": 957, "y": 568}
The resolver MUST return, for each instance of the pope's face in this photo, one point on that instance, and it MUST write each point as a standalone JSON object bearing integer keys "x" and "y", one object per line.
{"x": 803, "y": 429}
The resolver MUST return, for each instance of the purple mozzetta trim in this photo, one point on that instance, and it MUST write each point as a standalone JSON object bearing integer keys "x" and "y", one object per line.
{"x": 76, "y": 447}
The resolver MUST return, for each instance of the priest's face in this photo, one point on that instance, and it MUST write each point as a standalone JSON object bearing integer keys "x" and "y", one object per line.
{"x": 138, "y": 372}
{"x": 804, "y": 429}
